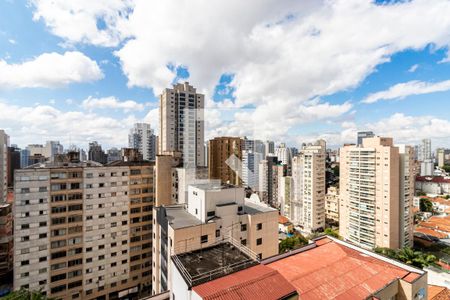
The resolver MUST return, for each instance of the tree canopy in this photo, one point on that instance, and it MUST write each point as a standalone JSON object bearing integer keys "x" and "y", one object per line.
{"x": 24, "y": 294}
{"x": 292, "y": 243}
{"x": 426, "y": 205}
{"x": 408, "y": 256}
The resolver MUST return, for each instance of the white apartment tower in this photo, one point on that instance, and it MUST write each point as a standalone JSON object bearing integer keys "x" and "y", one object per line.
{"x": 182, "y": 124}
{"x": 250, "y": 168}
{"x": 308, "y": 177}
{"x": 376, "y": 185}
{"x": 142, "y": 137}
{"x": 284, "y": 154}
{"x": 426, "y": 159}
{"x": 4, "y": 143}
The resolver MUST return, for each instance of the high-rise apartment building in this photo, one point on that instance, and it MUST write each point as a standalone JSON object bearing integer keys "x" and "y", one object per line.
{"x": 182, "y": 123}
{"x": 256, "y": 146}
{"x": 220, "y": 149}
{"x": 362, "y": 135}
{"x": 13, "y": 163}
{"x": 6, "y": 242}
{"x": 442, "y": 157}
{"x": 426, "y": 158}
{"x": 214, "y": 214}
{"x": 96, "y": 153}
{"x": 308, "y": 174}
{"x": 48, "y": 151}
{"x": 4, "y": 143}
{"x": 283, "y": 154}
{"x": 250, "y": 168}
{"x": 269, "y": 148}
{"x": 376, "y": 186}
{"x": 114, "y": 154}
{"x": 142, "y": 137}
{"x": 268, "y": 177}
{"x": 83, "y": 230}
{"x": 332, "y": 205}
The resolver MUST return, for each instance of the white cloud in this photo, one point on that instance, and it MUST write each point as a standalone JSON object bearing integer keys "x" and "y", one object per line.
{"x": 12, "y": 41}
{"x": 36, "y": 124}
{"x": 403, "y": 128}
{"x": 111, "y": 103}
{"x": 49, "y": 70}
{"x": 282, "y": 53}
{"x": 402, "y": 90}
{"x": 413, "y": 68}
{"x": 152, "y": 118}
{"x": 78, "y": 21}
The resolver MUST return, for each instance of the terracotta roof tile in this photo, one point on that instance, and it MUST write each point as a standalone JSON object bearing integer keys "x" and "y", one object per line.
{"x": 334, "y": 271}
{"x": 258, "y": 282}
{"x": 438, "y": 292}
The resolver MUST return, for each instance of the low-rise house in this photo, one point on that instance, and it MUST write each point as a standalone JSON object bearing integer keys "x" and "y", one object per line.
{"x": 437, "y": 185}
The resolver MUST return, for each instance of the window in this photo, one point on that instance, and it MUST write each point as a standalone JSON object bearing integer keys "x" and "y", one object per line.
{"x": 211, "y": 213}
{"x": 259, "y": 226}
{"x": 244, "y": 242}
{"x": 25, "y": 226}
{"x": 217, "y": 233}
{"x": 204, "y": 239}
{"x": 259, "y": 241}
{"x": 243, "y": 227}
{"x": 24, "y": 262}
{"x": 42, "y": 235}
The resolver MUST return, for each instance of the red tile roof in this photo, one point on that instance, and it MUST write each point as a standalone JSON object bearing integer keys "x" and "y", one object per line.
{"x": 283, "y": 219}
{"x": 334, "y": 271}
{"x": 258, "y": 282}
{"x": 431, "y": 232}
{"x": 436, "y": 179}
{"x": 438, "y": 292}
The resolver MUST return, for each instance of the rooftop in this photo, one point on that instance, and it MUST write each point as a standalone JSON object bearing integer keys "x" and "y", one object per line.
{"x": 332, "y": 269}
{"x": 252, "y": 208}
{"x": 435, "y": 179}
{"x": 214, "y": 185}
{"x": 251, "y": 283}
{"x": 213, "y": 262}
{"x": 436, "y": 292}
{"x": 178, "y": 217}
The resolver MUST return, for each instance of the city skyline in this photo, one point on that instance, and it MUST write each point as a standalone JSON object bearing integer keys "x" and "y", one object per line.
{"x": 117, "y": 72}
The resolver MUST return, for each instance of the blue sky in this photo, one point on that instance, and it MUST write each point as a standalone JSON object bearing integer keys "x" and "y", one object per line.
{"x": 291, "y": 81}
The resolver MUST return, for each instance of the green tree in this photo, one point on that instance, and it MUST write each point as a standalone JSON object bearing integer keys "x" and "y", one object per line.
{"x": 446, "y": 168}
{"x": 408, "y": 256}
{"x": 426, "y": 205}
{"x": 333, "y": 233}
{"x": 420, "y": 193}
{"x": 24, "y": 294}
{"x": 291, "y": 243}
{"x": 336, "y": 171}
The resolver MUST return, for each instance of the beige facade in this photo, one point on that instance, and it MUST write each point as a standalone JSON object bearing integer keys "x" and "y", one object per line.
{"x": 332, "y": 205}
{"x": 84, "y": 230}
{"x": 219, "y": 150}
{"x": 182, "y": 123}
{"x": 372, "y": 194}
{"x": 308, "y": 174}
{"x": 4, "y": 143}
{"x": 214, "y": 214}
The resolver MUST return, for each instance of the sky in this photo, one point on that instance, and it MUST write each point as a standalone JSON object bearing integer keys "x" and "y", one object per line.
{"x": 286, "y": 70}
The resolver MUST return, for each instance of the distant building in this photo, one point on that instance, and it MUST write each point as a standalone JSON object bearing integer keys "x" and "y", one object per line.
{"x": 284, "y": 154}
{"x": 96, "y": 153}
{"x": 269, "y": 148}
{"x": 362, "y": 135}
{"x": 142, "y": 137}
{"x": 436, "y": 185}
{"x": 220, "y": 149}
{"x": 285, "y": 194}
{"x": 24, "y": 158}
{"x": 256, "y": 146}
{"x": 113, "y": 154}
{"x": 4, "y": 143}
{"x": 308, "y": 175}
{"x": 425, "y": 158}
{"x": 13, "y": 164}
{"x": 181, "y": 123}
{"x": 250, "y": 168}
{"x": 443, "y": 157}
{"x": 268, "y": 176}
{"x": 49, "y": 150}
{"x": 332, "y": 205}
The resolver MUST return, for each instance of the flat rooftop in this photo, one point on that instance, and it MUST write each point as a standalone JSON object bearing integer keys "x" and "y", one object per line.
{"x": 178, "y": 217}
{"x": 333, "y": 269}
{"x": 214, "y": 184}
{"x": 254, "y": 208}
{"x": 210, "y": 263}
